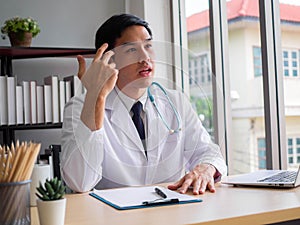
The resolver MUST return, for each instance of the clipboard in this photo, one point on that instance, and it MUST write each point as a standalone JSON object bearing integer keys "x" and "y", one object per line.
{"x": 141, "y": 197}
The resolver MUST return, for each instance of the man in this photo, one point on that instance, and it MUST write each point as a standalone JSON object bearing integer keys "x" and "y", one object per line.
{"x": 101, "y": 145}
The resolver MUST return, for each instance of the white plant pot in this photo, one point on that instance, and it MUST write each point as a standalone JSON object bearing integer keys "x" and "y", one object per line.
{"x": 52, "y": 212}
{"x": 40, "y": 173}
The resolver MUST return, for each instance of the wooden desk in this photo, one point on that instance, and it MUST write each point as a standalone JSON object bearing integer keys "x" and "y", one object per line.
{"x": 229, "y": 205}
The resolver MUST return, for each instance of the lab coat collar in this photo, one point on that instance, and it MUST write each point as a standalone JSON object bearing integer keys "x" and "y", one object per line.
{"x": 125, "y": 100}
{"x": 129, "y": 102}
{"x": 123, "y": 121}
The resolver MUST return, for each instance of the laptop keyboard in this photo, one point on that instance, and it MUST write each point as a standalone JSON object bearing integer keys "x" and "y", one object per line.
{"x": 285, "y": 176}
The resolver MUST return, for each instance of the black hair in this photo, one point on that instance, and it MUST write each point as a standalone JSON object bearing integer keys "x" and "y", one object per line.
{"x": 112, "y": 29}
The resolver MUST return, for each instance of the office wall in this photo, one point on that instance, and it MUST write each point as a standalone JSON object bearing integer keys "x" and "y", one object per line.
{"x": 64, "y": 23}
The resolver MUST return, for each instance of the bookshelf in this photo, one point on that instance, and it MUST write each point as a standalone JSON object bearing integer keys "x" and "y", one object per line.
{"x": 8, "y": 54}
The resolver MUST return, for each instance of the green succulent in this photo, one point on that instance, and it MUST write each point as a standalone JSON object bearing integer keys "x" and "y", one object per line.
{"x": 20, "y": 25}
{"x": 53, "y": 189}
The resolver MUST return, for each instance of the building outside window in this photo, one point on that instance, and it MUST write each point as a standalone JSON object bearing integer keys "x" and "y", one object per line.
{"x": 199, "y": 69}
{"x": 200, "y": 88}
{"x": 248, "y": 126}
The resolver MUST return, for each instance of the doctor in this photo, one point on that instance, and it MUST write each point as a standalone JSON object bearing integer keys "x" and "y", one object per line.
{"x": 101, "y": 145}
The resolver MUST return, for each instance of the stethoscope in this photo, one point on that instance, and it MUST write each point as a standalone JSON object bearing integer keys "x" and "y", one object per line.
{"x": 151, "y": 97}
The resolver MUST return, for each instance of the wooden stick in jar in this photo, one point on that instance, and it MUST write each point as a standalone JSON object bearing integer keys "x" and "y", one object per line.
{"x": 34, "y": 151}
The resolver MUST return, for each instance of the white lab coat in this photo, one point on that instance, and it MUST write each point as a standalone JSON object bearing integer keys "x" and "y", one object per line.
{"x": 114, "y": 156}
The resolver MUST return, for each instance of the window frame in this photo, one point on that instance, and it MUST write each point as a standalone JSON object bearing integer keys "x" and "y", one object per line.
{"x": 269, "y": 17}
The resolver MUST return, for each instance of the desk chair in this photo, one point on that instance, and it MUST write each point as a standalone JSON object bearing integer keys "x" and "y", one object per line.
{"x": 55, "y": 152}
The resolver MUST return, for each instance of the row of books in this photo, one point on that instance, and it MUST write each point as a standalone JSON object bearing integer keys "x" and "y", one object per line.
{"x": 30, "y": 103}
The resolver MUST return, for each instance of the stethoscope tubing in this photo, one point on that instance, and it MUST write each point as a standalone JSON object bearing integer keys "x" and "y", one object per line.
{"x": 152, "y": 99}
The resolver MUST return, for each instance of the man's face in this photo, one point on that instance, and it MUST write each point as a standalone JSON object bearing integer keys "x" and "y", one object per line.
{"x": 134, "y": 58}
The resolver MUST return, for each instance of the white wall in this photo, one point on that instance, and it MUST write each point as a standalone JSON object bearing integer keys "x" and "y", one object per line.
{"x": 64, "y": 23}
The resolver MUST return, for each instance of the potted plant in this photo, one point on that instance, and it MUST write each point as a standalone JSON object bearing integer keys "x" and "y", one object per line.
{"x": 20, "y": 30}
{"x": 51, "y": 202}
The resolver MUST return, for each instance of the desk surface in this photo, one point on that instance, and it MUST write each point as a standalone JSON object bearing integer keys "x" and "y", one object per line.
{"x": 229, "y": 205}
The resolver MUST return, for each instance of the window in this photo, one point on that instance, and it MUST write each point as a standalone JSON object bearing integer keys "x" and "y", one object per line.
{"x": 200, "y": 89}
{"x": 291, "y": 83}
{"x": 261, "y": 147}
{"x": 291, "y": 63}
{"x": 290, "y": 151}
{"x": 257, "y": 62}
{"x": 200, "y": 85}
{"x": 199, "y": 69}
{"x": 293, "y": 152}
{"x": 258, "y": 120}
{"x": 293, "y": 146}
{"x": 247, "y": 118}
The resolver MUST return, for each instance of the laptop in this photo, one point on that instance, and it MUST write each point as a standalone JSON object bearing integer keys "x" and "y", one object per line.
{"x": 266, "y": 178}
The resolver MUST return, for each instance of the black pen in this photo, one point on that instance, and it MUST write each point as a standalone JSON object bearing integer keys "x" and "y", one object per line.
{"x": 162, "y": 202}
{"x": 160, "y": 193}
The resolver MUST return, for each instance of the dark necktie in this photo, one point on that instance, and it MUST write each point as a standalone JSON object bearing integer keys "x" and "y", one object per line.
{"x": 137, "y": 119}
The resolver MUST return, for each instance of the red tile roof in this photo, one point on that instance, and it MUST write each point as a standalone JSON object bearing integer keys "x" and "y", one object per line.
{"x": 242, "y": 8}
